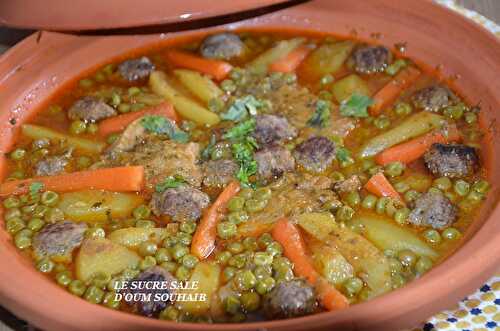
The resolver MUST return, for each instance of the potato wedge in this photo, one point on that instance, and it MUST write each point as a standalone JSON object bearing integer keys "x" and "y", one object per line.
{"x": 331, "y": 264}
{"x": 318, "y": 225}
{"x": 328, "y": 58}
{"x": 200, "y": 85}
{"x": 133, "y": 237}
{"x": 347, "y": 86}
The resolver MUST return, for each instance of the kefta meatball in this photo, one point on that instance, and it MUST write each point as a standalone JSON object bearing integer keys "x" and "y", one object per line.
{"x": 290, "y": 299}
{"x": 143, "y": 304}
{"x": 433, "y": 209}
{"x": 371, "y": 59}
{"x": 136, "y": 69}
{"x": 452, "y": 160}
{"x": 315, "y": 154}
{"x": 271, "y": 129}
{"x": 434, "y": 98}
{"x": 219, "y": 173}
{"x": 273, "y": 162}
{"x": 90, "y": 109}
{"x": 59, "y": 239}
{"x": 181, "y": 203}
{"x": 222, "y": 46}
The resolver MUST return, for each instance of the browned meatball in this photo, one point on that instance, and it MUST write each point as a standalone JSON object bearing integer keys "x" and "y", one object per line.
{"x": 434, "y": 210}
{"x": 290, "y": 299}
{"x": 219, "y": 173}
{"x": 136, "y": 69}
{"x": 59, "y": 239}
{"x": 273, "y": 161}
{"x": 181, "y": 203}
{"x": 452, "y": 160}
{"x": 434, "y": 98}
{"x": 271, "y": 129}
{"x": 371, "y": 59}
{"x": 90, "y": 109}
{"x": 315, "y": 154}
{"x": 222, "y": 46}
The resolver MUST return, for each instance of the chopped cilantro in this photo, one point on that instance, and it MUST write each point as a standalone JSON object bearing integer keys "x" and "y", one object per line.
{"x": 356, "y": 106}
{"x": 35, "y": 188}
{"x": 162, "y": 126}
{"x": 241, "y": 130}
{"x": 170, "y": 182}
{"x": 321, "y": 115}
{"x": 343, "y": 154}
{"x": 242, "y": 108}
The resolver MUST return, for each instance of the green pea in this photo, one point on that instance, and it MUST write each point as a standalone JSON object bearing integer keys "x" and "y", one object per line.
{"x": 141, "y": 212}
{"x": 35, "y": 224}
{"x": 169, "y": 266}
{"x": 395, "y": 67}
{"x": 401, "y": 187}
{"x": 236, "y": 204}
{"x": 266, "y": 285}
{"x": 264, "y": 240}
{"x": 470, "y": 118}
{"x": 92, "y": 128}
{"x": 50, "y": 198}
{"x": 402, "y": 109}
{"x": 170, "y": 314}
{"x": 353, "y": 198}
{"x": 401, "y": 215}
{"x": 262, "y": 271}
{"x": 178, "y": 251}
{"x": 235, "y": 247}
{"x": 93, "y": 294}
{"x": 344, "y": 213}
{"x": 451, "y": 234}
{"x": 253, "y": 205}
{"x": 246, "y": 193}
{"x": 162, "y": 255}
{"x": 45, "y": 265}
{"x": 274, "y": 249}
{"x": 189, "y": 261}
{"x": 250, "y": 301}
{"x": 14, "y": 225}
{"x": 77, "y": 127}
{"x": 109, "y": 300}
{"x": 226, "y": 230}
{"x": 353, "y": 285}
{"x": 63, "y": 278}
{"x": 281, "y": 262}
{"x": 22, "y": 240}
{"x": 83, "y": 162}
{"x": 187, "y": 227}
{"x": 29, "y": 209}
{"x": 442, "y": 183}
{"x": 99, "y": 77}
{"x": 184, "y": 238}
{"x": 223, "y": 257}
{"x": 262, "y": 259}
{"x": 115, "y": 99}
{"x": 237, "y": 261}
{"x": 182, "y": 273}
{"x": 101, "y": 280}
{"x": 86, "y": 83}
{"x": 423, "y": 265}
{"x": 395, "y": 266}
{"x": 411, "y": 195}
{"x": 250, "y": 244}
{"x": 232, "y": 304}
{"x": 12, "y": 213}
{"x": 381, "y": 122}
{"x": 263, "y": 193}
{"x": 398, "y": 281}
{"x": 147, "y": 263}
{"x": 432, "y": 236}
{"x": 290, "y": 78}
{"x": 228, "y": 273}
{"x": 145, "y": 224}
{"x": 475, "y": 196}
{"x": 95, "y": 232}
{"x": 237, "y": 217}
{"x": 283, "y": 275}
{"x": 481, "y": 186}
{"x": 394, "y": 169}
{"x": 407, "y": 258}
{"x": 454, "y": 112}
{"x": 77, "y": 287}
{"x": 39, "y": 211}
{"x": 332, "y": 205}
{"x": 12, "y": 202}
{"x": 147, "y": 248}
{"x": 227, "y": 85}
{"x": 124, "y": 108}
{"x": 134, "y": 90}
{"x": 54, "y": 215}
{"x": 461, "y": 187}
{"x": 337, "y": 176}
{"x": 244, "y": 280}
{"x": 137, "y": 106}
{"x": 18, "y": 154}
{"x": 169, "y": 242}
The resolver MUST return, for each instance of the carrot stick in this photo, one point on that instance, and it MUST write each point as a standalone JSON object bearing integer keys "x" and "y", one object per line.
{"x": 380, "y": 186}
{"x": 203, "y": 242}
{"x": 412, "y": 150}
{"x": 215, "y": 68}
{"x": 120, "y": 122}
{"x": 288, "y": 235}
{"x": 389, "y": 92}
{"x": 121, "y": 179}
{"x": 291, "y": 61}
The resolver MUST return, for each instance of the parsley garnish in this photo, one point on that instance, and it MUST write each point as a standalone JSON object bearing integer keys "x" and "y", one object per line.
{"x": 321, "y": 116}
{"x": 242, "y": 108}
{"x": 343, "y": 154}
{"x": 170, "y": 182}
{"x": 356, "y": 106}
{"x": 162, "y": 126}
{"x": 35, "y": 188}
{"x": 241, "y": 130}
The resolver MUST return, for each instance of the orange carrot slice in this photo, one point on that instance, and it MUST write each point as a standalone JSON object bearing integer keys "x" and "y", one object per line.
{"x": 215, "y": 68}
{"x": 291, "y": 61}
{"x": 380, "y": 186}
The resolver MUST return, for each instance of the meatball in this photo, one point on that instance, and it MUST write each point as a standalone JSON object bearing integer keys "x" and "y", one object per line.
{"x": 219, "y": 173}
{"x": 144, "y": 301}
{"x": 315, "y": 154}
{"x": 371, "y": 59}
{"x": 434, "y": 98}
{"x": 433, "y": 209}
{"x": 51, "y": 166}
{"x": 181, "y": 203}
{"x": 222, "y": 46}
{"x": 290, "y": 299}
{"x": 59, "y": 239}
{"x": 273, "y": 161}
{"x": 271, "y": 129}
{"x": 452, "y": 160}
{"x": 90, "y": 109}
{"x": 350, "y": 184}
{"x": 136, "y": 69}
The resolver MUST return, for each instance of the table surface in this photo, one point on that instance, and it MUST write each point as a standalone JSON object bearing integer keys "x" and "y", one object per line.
{"x": 488, "y": 8}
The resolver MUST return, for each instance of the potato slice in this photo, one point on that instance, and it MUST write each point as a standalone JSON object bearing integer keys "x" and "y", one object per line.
{"x": 133, "y": 237}
{"x": 328, "y": 58}
{"x": 101, "y": 255}
{"x": 347, "y": 86}
{"x": 318, "y": 225}
{"x": 331, "y": 264}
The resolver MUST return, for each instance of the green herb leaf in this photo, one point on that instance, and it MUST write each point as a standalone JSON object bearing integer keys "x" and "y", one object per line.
{"x": 35, "y": 188}
{"x": 321, "y": 115}
{"x": 207, "y": 151}
{"x": 343, "y": 154}
{"x": 356, "y": 106}
{"x": 241, "y": 131}
{"x": 242, "y": 108}
{"x": 162, "y": 126}
{"x": 170, "y": 182}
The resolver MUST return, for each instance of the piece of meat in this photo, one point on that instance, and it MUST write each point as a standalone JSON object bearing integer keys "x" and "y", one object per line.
{"x": 371, "y": 59}
{"x": 219, "y": 173}
{"x": 223, "y": 46}
{"x": 181, "y": 203}
{"x": 350, "y": 184}
{"x": 270, "y": 129}
{"x": 145, "y": 300}
{"x": 273, "y": 161}
{"x": 134, "y": 134}
{"x": 451, "y": 160}
{"x": 59, "y": 239}
{"x": 315, "y": 154}
{"x": 290, "y": 299}
{"x": 313, "y": 182}
{"x": 53, "y": 165}
{"x": 434, "y": 98}
{"x": 433, "y": 209}
{"x": 90, "y": 109}
{"x": 136, "y": 69}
